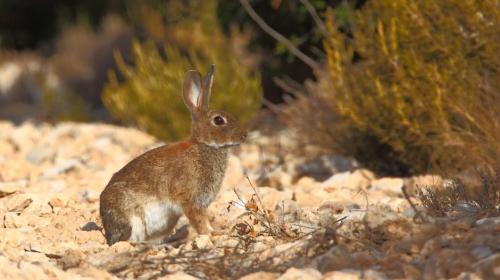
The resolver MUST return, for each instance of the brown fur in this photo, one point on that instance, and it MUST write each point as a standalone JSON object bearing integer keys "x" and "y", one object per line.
{"x": 187, "y": 173}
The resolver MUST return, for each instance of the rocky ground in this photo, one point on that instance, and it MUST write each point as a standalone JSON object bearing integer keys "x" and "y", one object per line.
{"x": 276, "y": 217}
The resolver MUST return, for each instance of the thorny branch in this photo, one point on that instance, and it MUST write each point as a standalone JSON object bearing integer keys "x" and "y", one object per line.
{"x": 315, "y": 16}
{"x": 280, "y": 38}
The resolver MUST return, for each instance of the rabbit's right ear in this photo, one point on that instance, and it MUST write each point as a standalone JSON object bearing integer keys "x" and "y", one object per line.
{"x": 208, "y": 81}
{"x": 192, "y": 92}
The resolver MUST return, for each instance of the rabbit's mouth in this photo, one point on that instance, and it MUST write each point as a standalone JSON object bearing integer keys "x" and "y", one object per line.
{"x": 222, "y": 145}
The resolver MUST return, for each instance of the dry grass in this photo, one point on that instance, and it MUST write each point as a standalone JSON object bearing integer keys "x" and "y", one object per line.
{"x": 258, "y": 221}
{"x": 478, "y": 199}
{"x": 220, "y": 262}
{"x": 298, "y": 248}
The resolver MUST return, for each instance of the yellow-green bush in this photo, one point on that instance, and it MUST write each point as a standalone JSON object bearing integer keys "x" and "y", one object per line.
{"x": 424, "y": 90}
{"x": 150, "y": 95}
{"x": 428, "y": 79}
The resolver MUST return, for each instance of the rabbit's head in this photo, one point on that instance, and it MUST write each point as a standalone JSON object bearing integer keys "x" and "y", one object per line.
{"x": 211, "y": 127}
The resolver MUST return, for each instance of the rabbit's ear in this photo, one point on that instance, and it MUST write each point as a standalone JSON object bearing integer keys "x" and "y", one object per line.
{"x": 208, "y": 81}
{"x": 192, "y": 91}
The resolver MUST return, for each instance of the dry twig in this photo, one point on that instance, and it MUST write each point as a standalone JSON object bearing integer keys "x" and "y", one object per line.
{"x": 312, "y": 11}
{"x": 278, "y": 37}
{"x": 417, "y": 212}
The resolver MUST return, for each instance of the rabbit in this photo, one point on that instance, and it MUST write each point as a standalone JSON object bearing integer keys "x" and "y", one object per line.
{"x": 144, "y": 200}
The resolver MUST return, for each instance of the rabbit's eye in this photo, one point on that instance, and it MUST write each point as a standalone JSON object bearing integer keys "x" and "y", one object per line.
{"x": 218, "y": 120}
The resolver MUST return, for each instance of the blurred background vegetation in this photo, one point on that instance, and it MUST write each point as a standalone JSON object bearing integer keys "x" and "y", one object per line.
{"x": 415, "y": 85}
{"x": 405, "y": 87}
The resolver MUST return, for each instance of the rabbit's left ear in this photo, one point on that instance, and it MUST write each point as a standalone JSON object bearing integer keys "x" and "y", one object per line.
{"x": 193, "y": 92}
{"x": 208, "y": 81}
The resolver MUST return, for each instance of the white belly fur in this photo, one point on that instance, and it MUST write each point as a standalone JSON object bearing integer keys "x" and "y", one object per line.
{"x": 138, "y": 231}
{"x": 159, "y": 217}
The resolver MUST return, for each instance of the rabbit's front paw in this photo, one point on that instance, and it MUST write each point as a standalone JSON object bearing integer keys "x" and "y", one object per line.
{"x": 198, "y": 220}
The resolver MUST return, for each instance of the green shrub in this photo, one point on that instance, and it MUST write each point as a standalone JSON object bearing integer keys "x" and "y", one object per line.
{"x": 416, "y": 88}
{"x": 150, "y": 95}
{"x": 57, "y": 105}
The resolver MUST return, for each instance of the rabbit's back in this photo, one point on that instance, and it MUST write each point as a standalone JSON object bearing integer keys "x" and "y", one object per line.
{"x": 145, "y": 166}
{"x": 183, "y": 171}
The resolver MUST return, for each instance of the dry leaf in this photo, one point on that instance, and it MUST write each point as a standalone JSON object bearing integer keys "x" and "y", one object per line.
{"x": 242, "y": 228}
{"x": 251, "y": 205}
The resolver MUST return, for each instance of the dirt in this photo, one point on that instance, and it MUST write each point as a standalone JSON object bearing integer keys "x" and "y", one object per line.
{"x": 271, "y": 221}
